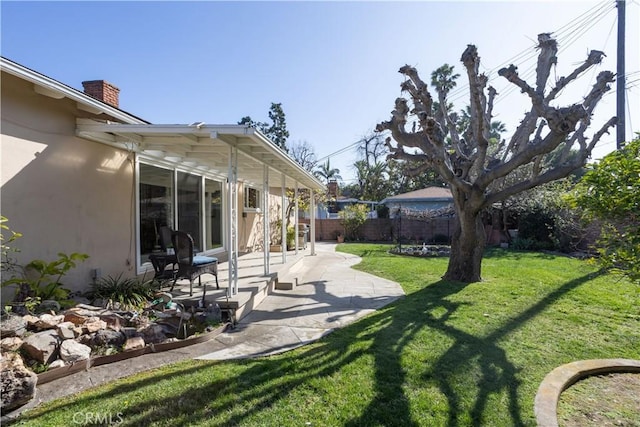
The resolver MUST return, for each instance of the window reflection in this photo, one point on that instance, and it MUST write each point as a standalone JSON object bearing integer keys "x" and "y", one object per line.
{"x": 189, "y": 203}
{"x": 213, "y": 213}
{"x": 156, "y": 207}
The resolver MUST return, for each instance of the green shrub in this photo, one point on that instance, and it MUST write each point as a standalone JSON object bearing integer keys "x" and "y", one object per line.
{"x": 128, "y": 292}
{"x": 38, "y": 280}
{"x": 41, "y": 280}
{"x": 352, "y": 218}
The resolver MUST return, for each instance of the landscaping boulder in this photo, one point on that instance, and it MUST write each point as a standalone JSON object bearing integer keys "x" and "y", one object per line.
{"x": 153, "y": 334}
{"x": 134, "y": 343}
{"x": 13, "y": 326}
{"x": 75, "y": 318}
{"x": 108, "y": 337}
{"x": 58, "y": 363}
{"x": 72, "y": 351}
{"x": 11, "y": 343}
{"x": 18, "y": 384}
{"x": 50, "y": 305}
{"x": 48, "y": 321}
{"x": 67, "y": 330}
{"x": 42, "y": 346}
{"x": 130, "y": 332}
{"x": 113, "y": 320}
{"x": 93, "y": 324}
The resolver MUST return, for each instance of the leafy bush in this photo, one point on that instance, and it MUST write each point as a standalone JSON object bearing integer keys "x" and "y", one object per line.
{"x": 610, "y": 192}
{"x": 546, "y": 220}
{"x": 128, "y": 292}
{"x": 38, "y": 280}
{"x": 352, "y": 218}
{"x": 529, "y": 244}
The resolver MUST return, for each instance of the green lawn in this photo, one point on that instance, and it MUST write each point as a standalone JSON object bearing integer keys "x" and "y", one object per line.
{"x": 446, "y": 355}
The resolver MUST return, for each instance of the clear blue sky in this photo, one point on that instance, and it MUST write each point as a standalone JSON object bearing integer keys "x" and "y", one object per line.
{"x": 333, "y": 65}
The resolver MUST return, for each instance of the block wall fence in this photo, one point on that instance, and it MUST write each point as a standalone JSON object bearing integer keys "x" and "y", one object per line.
{"x": 388, "y": 230}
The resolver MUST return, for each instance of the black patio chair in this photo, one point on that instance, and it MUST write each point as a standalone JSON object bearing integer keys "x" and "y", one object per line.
{"x": 190, "y": 266}
{"x": 164, "y": 259}
{"x": 165, "y": 238}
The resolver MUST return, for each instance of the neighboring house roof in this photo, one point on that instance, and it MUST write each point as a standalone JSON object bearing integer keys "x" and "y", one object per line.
{"x": 198, "y": 146}
{"x": 429, "y": 194}
{"x": 354, "y": 200}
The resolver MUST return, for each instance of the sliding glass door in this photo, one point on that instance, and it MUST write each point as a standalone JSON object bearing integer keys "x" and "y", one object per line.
{"x": 181, "y": 201}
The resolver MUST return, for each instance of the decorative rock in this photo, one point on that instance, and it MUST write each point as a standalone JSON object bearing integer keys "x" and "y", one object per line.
{"x": 42, "y": 346}
{"x": 108, "y": 337}
{"x": 130, "y": 332}
{"x": 86, "y": 339}
{"x": 114, "y": 321}
{"x": 134, "y": 343}
{"x": 87, "y": 310}
{"x": 50, "y": 305}
{"x": 67, "y": 330}
{"x": 153, "y": 334}
{"x": 13, "y": 326}
{"x": 18, "y": 384}
{"x": 93, "y": 324}
{"x": 31, "y": 320}
{"x": 58, "y": 363}
{"x": 75, "y": 318}
{"x": 72, "y": 351}
{"x": 11, "y": 343}
{"x": 48, "y": 321}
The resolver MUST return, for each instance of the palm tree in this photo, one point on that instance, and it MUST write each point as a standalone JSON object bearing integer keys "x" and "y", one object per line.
{"x": 327, "y": 173}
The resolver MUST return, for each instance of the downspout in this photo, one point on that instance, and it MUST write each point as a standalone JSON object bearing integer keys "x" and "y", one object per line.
{"x": 295, "y": 218}
{"x": 284, "y": 225}
{"x": 312, "y": 232}
{"x": 265, "y": 217}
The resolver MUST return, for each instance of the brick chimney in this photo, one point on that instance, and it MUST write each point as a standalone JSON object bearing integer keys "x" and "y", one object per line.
{"x": 332, "y": 188}
{"x": 102, "y": 90}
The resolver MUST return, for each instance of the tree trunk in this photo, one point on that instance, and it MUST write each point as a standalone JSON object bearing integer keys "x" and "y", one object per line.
{"x": 467, "y": 248}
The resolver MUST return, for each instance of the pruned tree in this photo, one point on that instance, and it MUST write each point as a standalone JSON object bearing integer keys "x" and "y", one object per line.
{"x": 463, "y": 158}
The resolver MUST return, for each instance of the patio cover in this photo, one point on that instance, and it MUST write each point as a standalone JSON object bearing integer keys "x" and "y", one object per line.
{"x": 231, "y": 152}
{"x": 204, "y": 148}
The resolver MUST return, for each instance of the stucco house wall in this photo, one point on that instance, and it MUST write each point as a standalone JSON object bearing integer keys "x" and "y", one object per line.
{"x": 76, "y": 178}
{"x": 63, "y": 193}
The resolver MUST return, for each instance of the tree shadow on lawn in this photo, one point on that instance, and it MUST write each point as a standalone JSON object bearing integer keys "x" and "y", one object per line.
{"x": 497, "y": 373}
{"x": 232, "y": 392}
{"x": 516, "y": 254}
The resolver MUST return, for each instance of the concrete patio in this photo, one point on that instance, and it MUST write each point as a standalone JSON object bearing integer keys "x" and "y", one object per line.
{"x": 329, "y": 295}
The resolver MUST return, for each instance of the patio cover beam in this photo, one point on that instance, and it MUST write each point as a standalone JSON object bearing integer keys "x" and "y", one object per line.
{"x": 232, "y": 229}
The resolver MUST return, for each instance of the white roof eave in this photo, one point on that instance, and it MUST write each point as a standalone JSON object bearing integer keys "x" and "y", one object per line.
{"x": 251, "y": 140}
{"x": 65, "y": 91}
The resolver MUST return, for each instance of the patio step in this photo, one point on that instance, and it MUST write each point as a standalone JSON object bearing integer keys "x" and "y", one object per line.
{"x": 253, "y": 285}
{"x": 288, "y": 280}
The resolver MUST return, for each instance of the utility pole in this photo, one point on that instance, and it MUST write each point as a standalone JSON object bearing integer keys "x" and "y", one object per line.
{"x": 620, "y": 78}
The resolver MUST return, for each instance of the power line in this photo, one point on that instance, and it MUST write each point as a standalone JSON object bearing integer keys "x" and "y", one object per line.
{"x": 340, "y": 151}
{"x": 566, "y": 35}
